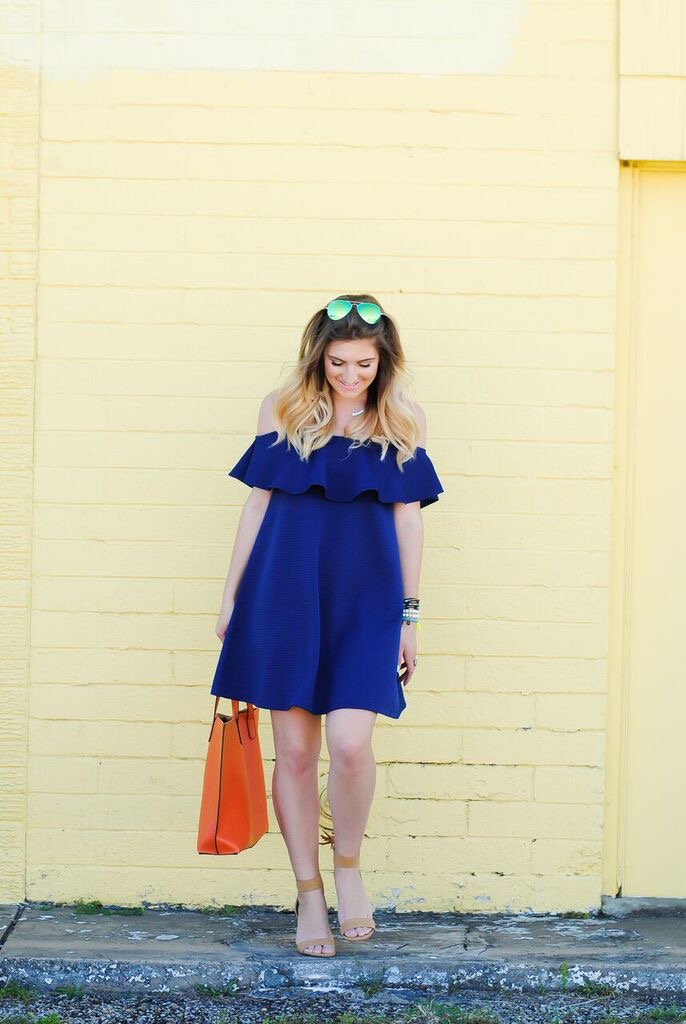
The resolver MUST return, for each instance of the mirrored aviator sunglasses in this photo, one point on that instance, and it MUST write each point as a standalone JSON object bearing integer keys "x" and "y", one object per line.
{"x": 368, "y": 311}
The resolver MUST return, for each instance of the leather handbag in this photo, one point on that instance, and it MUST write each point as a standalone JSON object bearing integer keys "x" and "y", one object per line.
{"x": 233, "y": 808}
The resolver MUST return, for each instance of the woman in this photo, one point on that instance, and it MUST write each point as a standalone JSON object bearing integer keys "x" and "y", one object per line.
{"x": 327, "y": 555}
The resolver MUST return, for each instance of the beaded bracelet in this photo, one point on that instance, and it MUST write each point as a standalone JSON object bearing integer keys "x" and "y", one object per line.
{"x": 411, "y": 611}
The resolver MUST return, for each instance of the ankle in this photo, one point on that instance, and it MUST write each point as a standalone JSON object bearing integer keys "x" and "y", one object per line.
{"x": 341, "y": 860}
{"x": 310, "y": 884}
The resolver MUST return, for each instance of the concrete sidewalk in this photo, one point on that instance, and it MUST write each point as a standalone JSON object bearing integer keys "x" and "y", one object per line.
{"x": 171, "y": 950}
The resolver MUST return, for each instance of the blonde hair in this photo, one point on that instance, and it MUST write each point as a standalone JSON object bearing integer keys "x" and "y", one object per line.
{"x": 303, "y": 409}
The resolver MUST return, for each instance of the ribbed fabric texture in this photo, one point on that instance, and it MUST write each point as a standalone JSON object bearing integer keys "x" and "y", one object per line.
{"x": 342, "y": 473}
{"x": 318, "y": 613}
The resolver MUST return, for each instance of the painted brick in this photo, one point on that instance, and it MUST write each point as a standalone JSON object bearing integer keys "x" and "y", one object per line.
{"x": 461, "y": 781}
{"x": 533, "y": 746}
{"x": 570, "y": 711}
{"x": 182, "y": 208}
{"x": 20, "y": 91}
{"x": 564, "y": 821}
{"x": 567, "y": 856}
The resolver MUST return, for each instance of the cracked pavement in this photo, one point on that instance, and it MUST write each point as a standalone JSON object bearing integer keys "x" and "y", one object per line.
{"x": 169, "y": 950}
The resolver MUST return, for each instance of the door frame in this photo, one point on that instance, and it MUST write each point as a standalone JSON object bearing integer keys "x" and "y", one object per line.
{"x": 622, "y": 517}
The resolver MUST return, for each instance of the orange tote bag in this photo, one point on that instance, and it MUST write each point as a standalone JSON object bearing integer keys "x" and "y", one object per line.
{"x": 233, "y": 808}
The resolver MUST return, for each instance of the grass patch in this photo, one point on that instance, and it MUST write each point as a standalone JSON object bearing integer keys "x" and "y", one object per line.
{"x": 308, "y": 1018}
{"x": 30, "y": 1018}
{"x": 370, "y": 986}
{"x": 347, "y": 1017}
{"x": 16, "y": 990}
{"x": 655, "y": 1013}
{"x": 431, "y": 1012}
{"x": 668, "y": 1013}
{"x": 85, "y": 907}
{"x": 217, "y": 991}
{"x": 72, "y": 991}
{"x": 226, "y": 911}
{"x": 435, "y": 1012}
{"x": 594, "y": 988}
{"x": 564, "y": 976}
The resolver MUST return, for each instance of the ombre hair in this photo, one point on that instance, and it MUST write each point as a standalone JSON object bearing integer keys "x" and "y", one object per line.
{"x": 303, "y": 409}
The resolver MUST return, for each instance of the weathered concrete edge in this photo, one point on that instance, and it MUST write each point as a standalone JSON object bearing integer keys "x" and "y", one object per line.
{"x": 625, "y": 906}
{"x": 254, "y": 974}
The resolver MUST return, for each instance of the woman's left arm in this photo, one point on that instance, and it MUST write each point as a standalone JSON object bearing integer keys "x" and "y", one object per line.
{"x": 409, "y": 528}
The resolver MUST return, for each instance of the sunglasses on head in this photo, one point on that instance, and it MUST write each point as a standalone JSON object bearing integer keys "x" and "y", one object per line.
{"x": 368, "y": 311}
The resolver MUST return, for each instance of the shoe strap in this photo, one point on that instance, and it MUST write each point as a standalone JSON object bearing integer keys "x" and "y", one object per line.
{"x": 308, "y": 884}
{"x": 357, "y": 922}
{"x": 328, "y": 940}
{"x": 341, "y": 861}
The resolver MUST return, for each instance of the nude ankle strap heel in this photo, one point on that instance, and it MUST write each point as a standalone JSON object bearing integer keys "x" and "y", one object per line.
{"x": 341, "y": 861}
{"x": 308, "y": 885}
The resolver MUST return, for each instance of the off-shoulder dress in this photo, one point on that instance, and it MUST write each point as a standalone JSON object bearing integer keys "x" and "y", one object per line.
{"x": 317, "y": 615}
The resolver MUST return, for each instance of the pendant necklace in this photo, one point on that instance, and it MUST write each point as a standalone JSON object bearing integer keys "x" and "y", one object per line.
{"x": 358, "y": 412}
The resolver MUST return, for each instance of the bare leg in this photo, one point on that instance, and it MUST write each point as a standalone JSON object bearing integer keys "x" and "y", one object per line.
{"x": 352, "y": 779}
{"x": 295, "y": 796}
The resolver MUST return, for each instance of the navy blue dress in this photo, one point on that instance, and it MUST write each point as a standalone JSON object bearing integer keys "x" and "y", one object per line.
{"x": 317, "y": 614}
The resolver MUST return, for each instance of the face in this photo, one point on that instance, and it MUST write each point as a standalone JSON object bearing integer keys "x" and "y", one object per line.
{"x": 351, "y": 366}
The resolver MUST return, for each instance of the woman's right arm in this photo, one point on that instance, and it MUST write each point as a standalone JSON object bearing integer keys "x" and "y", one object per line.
{"x": 248, "y": 527}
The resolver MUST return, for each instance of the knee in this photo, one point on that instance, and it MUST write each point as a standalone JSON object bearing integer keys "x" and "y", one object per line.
{"x": 297, "y": 759}
{"x": 351, "y": 756}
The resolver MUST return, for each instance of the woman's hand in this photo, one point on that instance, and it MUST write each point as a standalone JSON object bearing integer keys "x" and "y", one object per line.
{"x": 223, "y": 620}
{"x": 408, "y": 650}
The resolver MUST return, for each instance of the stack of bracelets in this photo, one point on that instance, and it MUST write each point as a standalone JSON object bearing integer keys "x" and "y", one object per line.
{"x": 411, "y": 610}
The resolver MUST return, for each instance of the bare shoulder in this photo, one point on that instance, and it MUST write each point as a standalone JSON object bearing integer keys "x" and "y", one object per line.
{"x": 265, "y": 422}
{"x": 421, "y": 423}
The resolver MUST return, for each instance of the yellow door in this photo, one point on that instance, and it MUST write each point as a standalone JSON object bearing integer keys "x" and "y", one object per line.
{"x": 646, "y": 802}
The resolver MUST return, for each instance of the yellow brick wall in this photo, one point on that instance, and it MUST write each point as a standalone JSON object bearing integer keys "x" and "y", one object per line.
{"x": 192, "y": 216}
{"x": 19, "y": 131}
{"x": 652, "y": 80}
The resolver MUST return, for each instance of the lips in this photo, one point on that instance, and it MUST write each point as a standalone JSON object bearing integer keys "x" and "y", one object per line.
{"x": 349, "y": 387}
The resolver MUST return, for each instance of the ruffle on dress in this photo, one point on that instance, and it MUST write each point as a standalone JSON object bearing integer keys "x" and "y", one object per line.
{"x": 342, "y": 474}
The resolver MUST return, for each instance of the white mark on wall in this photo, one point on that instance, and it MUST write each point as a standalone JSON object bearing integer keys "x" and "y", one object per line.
{"x": 434, "y": 37}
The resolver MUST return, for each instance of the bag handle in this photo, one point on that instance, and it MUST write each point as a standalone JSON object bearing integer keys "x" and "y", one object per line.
{"x": 252, "y": 730}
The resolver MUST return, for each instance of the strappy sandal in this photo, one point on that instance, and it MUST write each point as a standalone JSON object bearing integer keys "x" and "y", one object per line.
{"x": 340, "y": 861}
{"x": 307, "y": 885}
